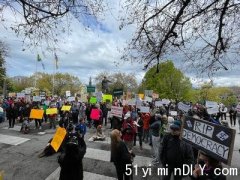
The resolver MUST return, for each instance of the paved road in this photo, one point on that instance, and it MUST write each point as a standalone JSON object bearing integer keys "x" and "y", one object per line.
{"x": 20, "y": 162}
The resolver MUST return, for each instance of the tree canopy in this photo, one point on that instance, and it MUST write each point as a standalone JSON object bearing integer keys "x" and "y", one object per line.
{"x": 170, "y": 82}
{"x": 44, "y": 82}
{"x": 124, "y": 81}
{"x": 204, "y": 31}
{"x": 39, "y": 21}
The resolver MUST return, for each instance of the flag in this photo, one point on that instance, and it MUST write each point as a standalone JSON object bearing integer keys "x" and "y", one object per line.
{"x": 56, "y": 60}
{"x": 38, "y": 58}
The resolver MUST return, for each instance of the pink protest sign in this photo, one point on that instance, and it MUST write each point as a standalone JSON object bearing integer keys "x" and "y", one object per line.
{"x": 95, "y": 114}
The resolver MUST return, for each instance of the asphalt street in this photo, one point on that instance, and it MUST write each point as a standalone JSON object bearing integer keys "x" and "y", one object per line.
{"x": 19, "y": 156}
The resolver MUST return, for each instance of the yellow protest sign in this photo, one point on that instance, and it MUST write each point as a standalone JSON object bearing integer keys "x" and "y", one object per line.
{"x": 58, "y": 138}
{"x": 141, "y": 96}
{"x": 36, "y": 114}
{"x": 107, "y": 97}
{"x": 51, "y": 111}
{"x": 66, "y": 108}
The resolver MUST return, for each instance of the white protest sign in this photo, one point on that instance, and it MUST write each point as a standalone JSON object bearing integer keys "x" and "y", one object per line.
{"x": 147, "y": 99}
{"x": 71, "y": 99}
{"x": 131, "y": 102}
{"x": 211, "y": 104}
{"x": 158, "y": 103}
{"x": 36, "y": 98}
{"x": 99, "y": 96}
{"x": 148, "y": 92}
{"x": 138, "y": 103}
{"x": 116, "y": 111}
{"x": 20, "y": 95}
{"x": 144, "y": 109}
{"x": 183, "y": 107}
{"x": 124, "y": 102}
{"x": 173, "y": 113}
{"x": 47, "y": 103}
{"x": 166, "y": 101}
{"x": 238, "y": 108}
{"x": 68, "y": 93}
{"x": 213, "y": 110}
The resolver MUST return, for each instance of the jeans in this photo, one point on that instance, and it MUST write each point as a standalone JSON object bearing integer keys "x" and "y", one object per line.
{"x": 156, "y": 146}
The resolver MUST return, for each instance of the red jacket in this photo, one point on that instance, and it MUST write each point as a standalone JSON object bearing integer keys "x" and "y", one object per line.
{"x": 128, "y": 130}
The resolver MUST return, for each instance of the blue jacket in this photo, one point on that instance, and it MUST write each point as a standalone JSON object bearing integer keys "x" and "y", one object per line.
{"x": 82, "y": 128}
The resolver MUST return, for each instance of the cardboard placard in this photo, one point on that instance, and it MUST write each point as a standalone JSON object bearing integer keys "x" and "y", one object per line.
{"x": 210, "y": 104}
{"x": 36, "y": 114}
{"x": 213, "y": 110}
{"x": 166, "y": 101}
{"x": 158, "y": 103}
{"x": 99, "y": 96}
{"x": 147, "y": 99}
{"x": 173, "y": 113}
{"x": 20, "y": 95}
{"x": 71, "y": 99}
{"x": 144, "y": 109}
{"x": 51, "y": 111}
{"x": 116, "y": 111}
{"x": 214, "y": 139}
{"x": 58, "y": 138}
{"x": 95, "y": 114}
{"x": 93, "y": 100}
{"x": 183, "y": 107}
{"x": 148, "y": 93}
{"x": 107, "y": 97}
{"x": 141, "y": 96}
{"x": 36, "y": 98}
{"x": 131, "y": 102}
{"x": 66, "y": 108}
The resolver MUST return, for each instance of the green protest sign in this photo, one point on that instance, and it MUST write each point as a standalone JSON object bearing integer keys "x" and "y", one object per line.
{"x": 93, "y": 100}
{"x": 107, "y": 97}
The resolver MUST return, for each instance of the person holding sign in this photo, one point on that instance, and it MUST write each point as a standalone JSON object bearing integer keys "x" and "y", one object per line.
{"x": 207, "y": 168}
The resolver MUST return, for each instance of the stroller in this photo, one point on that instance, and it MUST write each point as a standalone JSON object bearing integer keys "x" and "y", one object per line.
{"x": 25, "y": 129}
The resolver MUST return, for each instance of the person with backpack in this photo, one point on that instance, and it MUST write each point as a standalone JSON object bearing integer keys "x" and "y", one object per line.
{"x": 70, "y": 160}
{"x": 174, "y": 152}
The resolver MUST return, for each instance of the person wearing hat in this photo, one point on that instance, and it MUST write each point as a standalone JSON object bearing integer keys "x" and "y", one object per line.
{"x": 174, "y": 152}
{"x": 70, "y": 160}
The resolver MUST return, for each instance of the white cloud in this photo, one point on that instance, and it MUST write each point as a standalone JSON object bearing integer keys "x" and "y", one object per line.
{"x": 86, "y": 53}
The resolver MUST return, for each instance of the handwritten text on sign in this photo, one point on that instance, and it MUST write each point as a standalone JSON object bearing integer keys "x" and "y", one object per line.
{"x": 214, "y": 139}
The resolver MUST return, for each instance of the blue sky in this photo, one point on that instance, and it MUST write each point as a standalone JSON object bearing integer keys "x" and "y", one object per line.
{"x": 88, "y": 51}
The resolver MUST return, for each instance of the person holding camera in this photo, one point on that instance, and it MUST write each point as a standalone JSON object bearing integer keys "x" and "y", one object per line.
{"x": 121, "y": 156}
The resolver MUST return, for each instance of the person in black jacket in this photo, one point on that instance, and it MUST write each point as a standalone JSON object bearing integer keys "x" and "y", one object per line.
{"x": 120, "y": 156}
{"x": 174, "y": 152}
{"x": 70, "y": 160}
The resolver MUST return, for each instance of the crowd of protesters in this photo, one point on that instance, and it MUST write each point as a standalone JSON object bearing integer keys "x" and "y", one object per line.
{"x": 157, "y": 128}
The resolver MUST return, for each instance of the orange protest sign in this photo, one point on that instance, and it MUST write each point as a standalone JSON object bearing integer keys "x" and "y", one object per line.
{"x": 36, "y": 114}
{"x": 51, "y": 111}
{"x": 58, "y": 138}
{"x": 66, "y": 108}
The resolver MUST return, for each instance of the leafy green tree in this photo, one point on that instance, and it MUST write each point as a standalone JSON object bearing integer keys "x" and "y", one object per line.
{"x": 169, "y": 82}
{"x": 124, "y": 81}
